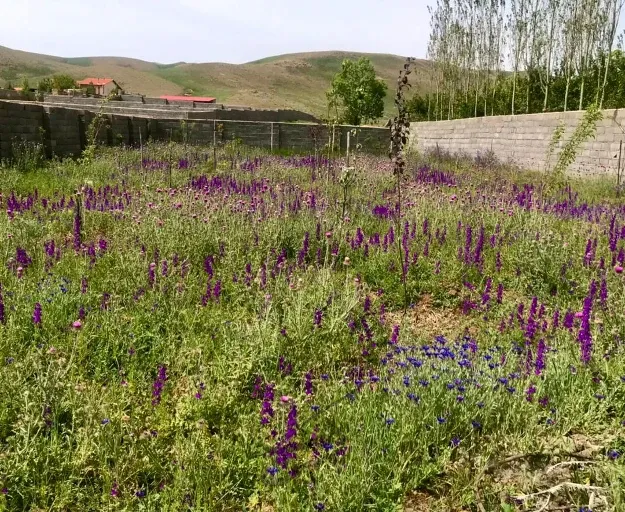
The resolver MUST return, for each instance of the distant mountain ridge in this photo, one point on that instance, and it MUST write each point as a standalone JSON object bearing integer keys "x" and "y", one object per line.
{"x": 298, "y": 81}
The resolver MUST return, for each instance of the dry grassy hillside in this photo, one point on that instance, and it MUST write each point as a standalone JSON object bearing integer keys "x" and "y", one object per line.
{"x": 296, "y": 81}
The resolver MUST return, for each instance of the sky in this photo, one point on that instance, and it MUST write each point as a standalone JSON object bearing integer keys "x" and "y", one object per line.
{"x": 234, "y": 31}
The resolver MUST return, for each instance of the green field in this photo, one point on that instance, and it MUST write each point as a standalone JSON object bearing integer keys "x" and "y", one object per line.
{"x": 266, "y": 335}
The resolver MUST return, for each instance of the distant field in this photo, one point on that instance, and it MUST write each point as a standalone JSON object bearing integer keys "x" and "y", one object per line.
{"x": 297, "y": 81}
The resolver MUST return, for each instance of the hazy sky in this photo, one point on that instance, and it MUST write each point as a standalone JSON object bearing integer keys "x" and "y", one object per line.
{"x": 212, "y": 30}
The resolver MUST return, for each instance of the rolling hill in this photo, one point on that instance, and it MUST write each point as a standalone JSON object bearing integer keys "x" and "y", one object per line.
{"x": 297, "y": 81}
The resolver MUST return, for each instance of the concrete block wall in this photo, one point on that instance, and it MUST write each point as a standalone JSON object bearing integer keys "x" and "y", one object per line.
{"x": 525, "y": 139}
{"x": 19, "y": 121}
{"x": 9, "y": 94}
{"x": 64, "y": 130}
{"x": 156, "y": 107}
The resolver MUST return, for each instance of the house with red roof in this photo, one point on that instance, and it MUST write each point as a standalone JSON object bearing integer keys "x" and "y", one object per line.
{"x": 190, "y": 99}
{"x": 101, "y": 86}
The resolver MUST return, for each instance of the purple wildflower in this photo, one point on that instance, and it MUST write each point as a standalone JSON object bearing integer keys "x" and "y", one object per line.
{"x": 159, "y": 384}
{"x": 499, "y": 293}
{"x": 308, "y": 383}
{"x": 208, "y": 266}
{"x": 115, "y": 490}
{"x": 584, "y": 336}
{"x": 22, "y": 258}
{"x": 2, "y": 317}
{"x": 486, "y": 294}
{"x": 151, "y": 274}
{"x": 266, "y": 411}
{"x": 603, "y": 293}
{"x": 37, "y": 314}
{"x": 318, "y": 317}
{"x": 394, "y": 335}
{"x": 77, "y": 227}
{"x": 540, "y": 357}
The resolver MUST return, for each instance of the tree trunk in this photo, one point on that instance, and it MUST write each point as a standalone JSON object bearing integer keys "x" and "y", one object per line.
{"x": 513, "y": 89}
{"x": 581, "y": 92}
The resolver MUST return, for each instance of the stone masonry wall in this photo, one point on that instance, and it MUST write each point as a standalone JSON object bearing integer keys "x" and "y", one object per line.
{"x": 63, "y": 131}
{"x": 525, "y": 139}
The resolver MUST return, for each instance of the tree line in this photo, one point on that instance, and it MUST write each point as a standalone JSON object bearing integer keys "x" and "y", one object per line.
{"x": 490, "y": 57}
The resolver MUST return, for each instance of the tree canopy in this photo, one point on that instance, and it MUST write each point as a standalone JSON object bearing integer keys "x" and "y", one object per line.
{"x": 522, "y": 56}
{"x": 358, "y": 92}
{"x": 63, "y": 82}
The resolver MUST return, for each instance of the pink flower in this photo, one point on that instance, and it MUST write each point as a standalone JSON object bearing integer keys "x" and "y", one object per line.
{"x": 618, "y": 269}
{"x": 285, "y": 398}
{"x": 579, "y": 314}
{"x": 77, "y": 324}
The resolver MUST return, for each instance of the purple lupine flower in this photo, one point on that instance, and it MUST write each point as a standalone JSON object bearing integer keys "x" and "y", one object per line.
{"x": 2, "y": 317}
{"x": 284, "y": 367}
{"x": 77, "y": 227}
{"x": 266, "y": 411}
{"x": 603, "y": 292}
{"x": 308, "y": 383}
{"x": 83, "y": 285}
{"x": 498, "y": 262}
{"x": 499, "y": 293}
{"x": 540, "y": 357}
{"x": 49, "y": 248}
{"x": 207, "y": 295}
{"x": 555, "y": 322}
{"x": 585, "y": 336}
{"x": 81, "y": 313}
{"x": 151, "y": 274}
{"x": 394, "y": 335}
{"x": 367, "y": 305}
{"x": 530, "y": 392}
{"x": 291, "y": 424}
{"x": 613, "y": 234}
{"x": 164, "y": 268}
{"x": 258, "y": 381}
{"x": 478, "y": 256}
{"x": 37, "y": 314}
{"x": 217, "y": 290}
{"x": 102, "y": 245}
{"x": 318, "y": 318}
{"x": 208, "y": 266}
{"x": 569, "y": 319}
{"x": 532, "y": 326}
{"x": 486, "y": 293}
{"x": 159, "y": 384}
{"x": 22, "y": 258}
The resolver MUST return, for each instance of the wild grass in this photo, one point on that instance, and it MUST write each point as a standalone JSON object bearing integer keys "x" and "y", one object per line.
{"x": 233, "y": 342}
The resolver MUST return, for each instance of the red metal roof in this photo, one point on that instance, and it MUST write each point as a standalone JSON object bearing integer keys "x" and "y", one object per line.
{"x": 199, "y": 99}
{"x": 95, "y": 81}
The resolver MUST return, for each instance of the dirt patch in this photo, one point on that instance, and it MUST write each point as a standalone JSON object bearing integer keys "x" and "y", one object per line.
{"x": 426, "y": 320}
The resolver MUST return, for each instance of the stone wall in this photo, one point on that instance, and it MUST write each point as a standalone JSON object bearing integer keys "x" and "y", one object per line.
{"x": 9, "y": 94}
{"x": 524, "y": 139}
{"x": 63, "y": 131}
{"x": 135, "y": 105}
